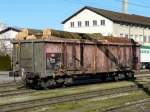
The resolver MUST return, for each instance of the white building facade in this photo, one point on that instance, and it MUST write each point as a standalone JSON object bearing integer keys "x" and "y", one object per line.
{"x": 89, "y": 22}
{"x": 6, "y": 35}
{"x": 108, "y": 23}
{"x": 140, "y": 34}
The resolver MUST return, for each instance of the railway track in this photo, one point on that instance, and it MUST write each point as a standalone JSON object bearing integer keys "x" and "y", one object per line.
{"x": 10, "y": 87}
{"x": 129, "y": 104}
{"x": 143, "y": 71}
{"x": 147, "y": 71}
{"x": 19, "y": 106}
{"x": 15, "y": 92}
{"x": 11, "y": 84}
{"x": 16, "y": 88}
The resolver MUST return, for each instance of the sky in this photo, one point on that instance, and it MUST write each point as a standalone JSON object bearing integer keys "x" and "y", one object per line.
{"x": 41, "y": 14}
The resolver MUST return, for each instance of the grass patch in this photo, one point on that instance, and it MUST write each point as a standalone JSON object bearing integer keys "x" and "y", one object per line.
{"x": 64, "y": 91}
{"x": 89, "y": 105}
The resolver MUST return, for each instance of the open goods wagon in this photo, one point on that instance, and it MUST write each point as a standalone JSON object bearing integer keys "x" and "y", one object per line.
{"x": 48, "y": 62}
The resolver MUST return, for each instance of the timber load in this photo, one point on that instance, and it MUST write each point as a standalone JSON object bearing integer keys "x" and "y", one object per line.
{"x": 26, "y": 34}
{"x": 32, "y": 34}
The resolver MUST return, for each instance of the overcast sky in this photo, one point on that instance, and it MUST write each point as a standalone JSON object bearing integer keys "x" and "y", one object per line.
{"x": 50, "y": 13}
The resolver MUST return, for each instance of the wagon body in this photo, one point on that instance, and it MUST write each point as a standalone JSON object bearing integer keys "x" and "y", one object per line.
{"x": 88, "y": 57}
{"x": 58, "y": 57}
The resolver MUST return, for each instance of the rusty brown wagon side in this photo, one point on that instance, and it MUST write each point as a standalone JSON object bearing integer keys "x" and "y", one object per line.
{"x": 58, "y": 60}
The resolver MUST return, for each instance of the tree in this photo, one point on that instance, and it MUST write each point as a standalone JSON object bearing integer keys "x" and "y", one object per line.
{"x": 5, "y": 47}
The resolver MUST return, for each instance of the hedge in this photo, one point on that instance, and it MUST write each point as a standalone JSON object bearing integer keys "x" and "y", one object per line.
{"x": 5, "y": 63}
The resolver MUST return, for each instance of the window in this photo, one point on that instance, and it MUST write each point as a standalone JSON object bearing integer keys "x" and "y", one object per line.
{"x": 72, "y": 24}
{"x": 135, "y": 38}
{"x": 103, "y": 22}
{"x": 126, "y": 25}
{"x": 131, "y": 36}
{"x": 144, "y": 39}
{"x": 148, "y": 39}
{"x": 121, "y": 25}
{"x": 94, "y": 23}
{"x": 79, "y": 23}
{"x": 86, "y": 23}
{"x": 141, "y": 38}
{"x": 126, "y": 35}
{"x": 121, "y": 35}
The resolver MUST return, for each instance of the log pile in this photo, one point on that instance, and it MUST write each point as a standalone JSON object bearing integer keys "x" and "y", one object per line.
{"x": 27, "y": 34}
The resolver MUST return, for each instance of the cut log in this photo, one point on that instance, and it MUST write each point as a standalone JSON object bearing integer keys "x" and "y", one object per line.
{"x": 29, "y": 32}
{"x": 31, "y": 37}
{"x": 22, "y": 35}
{"x": 46, "y": 33}
{"x": 19, "y": 36}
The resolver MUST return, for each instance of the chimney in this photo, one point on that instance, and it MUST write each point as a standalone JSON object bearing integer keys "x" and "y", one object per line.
{"x": 125, "y": 6}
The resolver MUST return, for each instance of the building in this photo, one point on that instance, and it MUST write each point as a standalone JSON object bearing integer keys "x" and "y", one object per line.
{"x": 94, "y": 20}
{"x": 6, "y": 35}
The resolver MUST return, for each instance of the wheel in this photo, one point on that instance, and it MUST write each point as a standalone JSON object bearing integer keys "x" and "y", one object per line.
{"x": 104, "y": 78}
{"x": 130, "y": 75}
{"x": 116, "y": 78}
{"x": 68, "y": 81}
{"x": 44, "y": 85}
{"x": 121, "y": 76}
{"x": 51, "y": 83}
{"x": 143, "y": 66}
{"x": 60, "y": 81}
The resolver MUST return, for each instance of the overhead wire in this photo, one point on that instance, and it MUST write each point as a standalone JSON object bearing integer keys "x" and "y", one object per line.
{"x": 89, "y": 3}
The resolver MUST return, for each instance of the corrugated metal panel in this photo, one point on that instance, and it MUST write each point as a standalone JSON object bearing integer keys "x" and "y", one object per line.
{"x": 39, "y": 58}
{"x": 26, "y": 56}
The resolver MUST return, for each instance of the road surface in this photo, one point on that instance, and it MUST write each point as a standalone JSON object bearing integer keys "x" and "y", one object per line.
{"x": 4, "y": 77}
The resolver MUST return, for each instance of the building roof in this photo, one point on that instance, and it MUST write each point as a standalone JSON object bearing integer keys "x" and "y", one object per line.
{"x": 116, "y": 16}
{"x": 9, "y": 28}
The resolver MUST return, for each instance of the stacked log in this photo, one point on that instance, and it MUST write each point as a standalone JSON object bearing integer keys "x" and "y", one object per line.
{"x": 31, "y": 37}
{"x": 26, "y": 34}
{"x": 46, "y": 33}
{"x": 49, "y": 33}
{"x": 22, "y": 35}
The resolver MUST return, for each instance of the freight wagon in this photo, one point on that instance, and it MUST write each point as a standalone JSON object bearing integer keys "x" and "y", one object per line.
{"x": 58, "y": 61}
